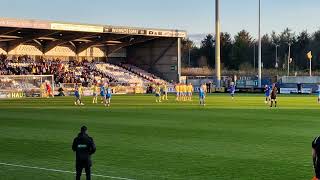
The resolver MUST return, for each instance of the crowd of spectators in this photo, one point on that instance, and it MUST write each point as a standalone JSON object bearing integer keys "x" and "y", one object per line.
{"x": 84, "y": 72}
{"x": 63, "y": 71}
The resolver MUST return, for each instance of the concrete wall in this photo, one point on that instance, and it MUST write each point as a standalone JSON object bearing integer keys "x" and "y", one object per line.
{"x": 158, "y": 56}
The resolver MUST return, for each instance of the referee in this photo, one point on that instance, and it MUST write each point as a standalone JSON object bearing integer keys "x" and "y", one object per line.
{"x": 84, "y": 147}
{"x": 274, "y": 93}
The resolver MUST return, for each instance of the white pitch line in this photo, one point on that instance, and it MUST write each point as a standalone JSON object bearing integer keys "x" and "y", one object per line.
{"x": 61, "y": 171}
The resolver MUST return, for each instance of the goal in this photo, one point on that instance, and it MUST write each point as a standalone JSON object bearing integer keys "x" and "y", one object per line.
{"x": 20, "y": 86}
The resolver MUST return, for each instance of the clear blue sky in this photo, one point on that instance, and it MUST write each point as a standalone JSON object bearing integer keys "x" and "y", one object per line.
{"x": 195, "y": 16}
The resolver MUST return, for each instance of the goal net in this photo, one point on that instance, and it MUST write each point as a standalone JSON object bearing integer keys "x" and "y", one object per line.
{"x": 19, "y": 86}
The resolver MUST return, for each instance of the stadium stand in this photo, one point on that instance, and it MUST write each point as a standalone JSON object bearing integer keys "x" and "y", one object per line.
{"x": 142, "y": 73}
{"x": 84, "y": 72}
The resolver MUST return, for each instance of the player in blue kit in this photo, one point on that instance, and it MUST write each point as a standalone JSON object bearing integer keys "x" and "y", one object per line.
{"x": 232, "y": 90}
{"x": 108, "y": 95}
{"x": 318, "y": 92}
{"x": 202, "y": 95}
{"x": 267, "y": 91}
{"x": 102, "y": 93}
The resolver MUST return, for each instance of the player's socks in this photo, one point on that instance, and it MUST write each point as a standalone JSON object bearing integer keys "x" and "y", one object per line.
{"x": 271, "y": 104}
{"x": 275, "y": 104}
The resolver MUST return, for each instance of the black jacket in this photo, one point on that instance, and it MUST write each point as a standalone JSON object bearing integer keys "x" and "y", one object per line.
{"x": 84, "y": 147}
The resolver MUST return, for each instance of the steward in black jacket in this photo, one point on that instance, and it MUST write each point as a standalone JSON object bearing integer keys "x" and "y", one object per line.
{"x": 84, "y": 147}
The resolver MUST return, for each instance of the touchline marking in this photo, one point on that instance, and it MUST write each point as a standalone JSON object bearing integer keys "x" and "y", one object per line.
{"x": 62, "y": 171}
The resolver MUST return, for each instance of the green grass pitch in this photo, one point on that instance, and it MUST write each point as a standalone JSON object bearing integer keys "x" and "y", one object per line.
{"x": 139, "y": 139}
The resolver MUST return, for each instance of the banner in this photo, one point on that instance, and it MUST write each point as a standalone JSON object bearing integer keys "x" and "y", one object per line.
{"x": 166, "y": 33}
{"x": 76, "y": 27}
{"x": 135, "y": 31}
{"x": 7, "y": 22}
{"x": 125, "y": 31}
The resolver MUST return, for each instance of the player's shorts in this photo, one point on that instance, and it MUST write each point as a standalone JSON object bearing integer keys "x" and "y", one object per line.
{"x": 232, "y": 92}
{"x": 274, "y": 97}
{"x": 157, "y": 94}
{"x": 202, "y": 96}
{"x": 189, "y": 93}
{"x": 94, "y": 94}
{"x": 177, "y": 93}
{"x": 267, "y": 95}
{"x": 101, "y": 94}
{"x": 108, "y": 96}
{"x": 77, "y": 95}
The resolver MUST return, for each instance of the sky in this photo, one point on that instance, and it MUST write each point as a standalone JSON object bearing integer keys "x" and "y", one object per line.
{"x": 194, "y": 16}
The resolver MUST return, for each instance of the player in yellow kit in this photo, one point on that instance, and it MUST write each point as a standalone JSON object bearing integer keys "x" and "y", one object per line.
{"x": 95, "y": 92}
{"x": 190, "y": 91}
{"x": 164, "y": 92}
{"x": 184, "y": 92}
{"x": 158, "y": 93}
{"x": 42, "y": 90}
{"x": 81, "y": 90}
{"x": 177, "y": 88}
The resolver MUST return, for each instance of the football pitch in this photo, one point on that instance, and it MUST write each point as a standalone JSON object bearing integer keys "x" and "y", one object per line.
{"x": 139, "y": 139}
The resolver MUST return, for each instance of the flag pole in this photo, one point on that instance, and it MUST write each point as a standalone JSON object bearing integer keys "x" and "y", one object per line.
{"x": 289, "y": 56}
{"x": 310, "y": 67}
{"x": 259, "y": 52}
{"x": 218, "y": 58}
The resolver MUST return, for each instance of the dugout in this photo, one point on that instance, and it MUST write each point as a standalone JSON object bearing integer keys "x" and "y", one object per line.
{"x": 155, "y": 50}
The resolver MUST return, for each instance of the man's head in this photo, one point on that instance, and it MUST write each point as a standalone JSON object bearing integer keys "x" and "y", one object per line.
{"x": 83, "y": 129}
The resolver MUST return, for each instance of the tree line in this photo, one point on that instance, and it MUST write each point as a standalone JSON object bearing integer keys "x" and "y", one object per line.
{"x": 241, "y": 51}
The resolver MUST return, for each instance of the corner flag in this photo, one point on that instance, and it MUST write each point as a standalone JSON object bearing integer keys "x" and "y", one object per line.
{"x": 309, "y": 55}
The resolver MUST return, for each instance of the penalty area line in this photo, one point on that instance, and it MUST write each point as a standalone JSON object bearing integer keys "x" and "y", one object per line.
{"x": 61, "y": 171}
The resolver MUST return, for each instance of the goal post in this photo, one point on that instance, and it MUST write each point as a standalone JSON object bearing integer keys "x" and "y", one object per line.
{"x": 20, "y": 86}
